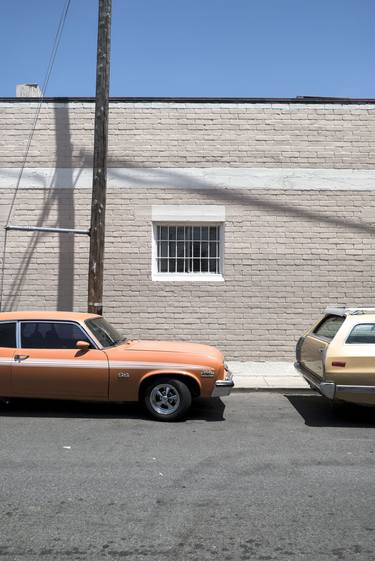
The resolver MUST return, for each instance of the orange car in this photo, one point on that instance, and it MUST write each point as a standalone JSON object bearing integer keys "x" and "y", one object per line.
{"x": 67, "y": 355}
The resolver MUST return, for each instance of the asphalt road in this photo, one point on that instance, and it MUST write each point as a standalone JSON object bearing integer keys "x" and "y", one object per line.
{"x": 252, "y": 477}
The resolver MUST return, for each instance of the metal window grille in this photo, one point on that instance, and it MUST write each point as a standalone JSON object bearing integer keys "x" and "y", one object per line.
{"x": 188, "y": 249}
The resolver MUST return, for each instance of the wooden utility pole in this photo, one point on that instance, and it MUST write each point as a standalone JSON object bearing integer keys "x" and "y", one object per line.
{"x": 99, "y": 185}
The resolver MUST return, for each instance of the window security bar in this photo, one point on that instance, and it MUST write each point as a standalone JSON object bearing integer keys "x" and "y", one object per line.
{"x": 47, "y": 229}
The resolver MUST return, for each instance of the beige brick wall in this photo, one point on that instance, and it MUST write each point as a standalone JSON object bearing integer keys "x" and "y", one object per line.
{"x": 201, "y": 135}
{"x": 288, "y": 252}
{"x": 287, "y": 255}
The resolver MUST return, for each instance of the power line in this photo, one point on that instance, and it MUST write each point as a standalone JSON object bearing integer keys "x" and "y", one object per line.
{"x": 55, "y": 47}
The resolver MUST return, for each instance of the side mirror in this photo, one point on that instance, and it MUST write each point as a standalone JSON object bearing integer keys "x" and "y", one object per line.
{"x": 83, "y": 345}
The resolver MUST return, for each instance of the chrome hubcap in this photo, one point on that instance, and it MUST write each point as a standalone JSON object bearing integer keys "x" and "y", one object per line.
{"x": 164, "y": 399}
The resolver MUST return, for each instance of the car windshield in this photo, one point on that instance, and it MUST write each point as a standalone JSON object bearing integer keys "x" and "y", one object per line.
{"x": 105, "y": 333}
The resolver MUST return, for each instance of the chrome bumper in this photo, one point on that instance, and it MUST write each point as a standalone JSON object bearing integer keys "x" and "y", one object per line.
{"x": 223, "y": 387}
{"x": 330, "y": 389}
{"x": 327, "y": 389}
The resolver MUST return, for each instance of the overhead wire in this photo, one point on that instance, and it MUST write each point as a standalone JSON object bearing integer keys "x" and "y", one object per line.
{"x": 51, "y": 62}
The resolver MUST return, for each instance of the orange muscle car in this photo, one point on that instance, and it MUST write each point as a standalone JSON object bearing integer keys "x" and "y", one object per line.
{"x": 67, "y": 355}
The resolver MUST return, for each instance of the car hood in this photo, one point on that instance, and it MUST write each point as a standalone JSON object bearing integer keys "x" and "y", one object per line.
{"x": 179, "y": 349}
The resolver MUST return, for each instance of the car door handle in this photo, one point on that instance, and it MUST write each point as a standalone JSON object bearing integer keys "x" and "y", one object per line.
{"x": 20, "y": 358}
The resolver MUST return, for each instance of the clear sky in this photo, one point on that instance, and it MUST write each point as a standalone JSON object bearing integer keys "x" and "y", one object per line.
{"x": 247, "y": 48}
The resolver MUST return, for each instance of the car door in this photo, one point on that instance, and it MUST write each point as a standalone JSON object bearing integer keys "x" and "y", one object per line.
{"x": 352, "y": 360}
{"x": 48, "y": 364}
{"x": 8, "y": 346}
{"x": 315, "y": 344}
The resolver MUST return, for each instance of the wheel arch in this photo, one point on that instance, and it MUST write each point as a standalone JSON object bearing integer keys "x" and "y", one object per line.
{"x": 191, "y": 381}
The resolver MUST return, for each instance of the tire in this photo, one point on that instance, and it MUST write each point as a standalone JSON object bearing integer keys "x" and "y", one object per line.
{"x": 167, "y": 399}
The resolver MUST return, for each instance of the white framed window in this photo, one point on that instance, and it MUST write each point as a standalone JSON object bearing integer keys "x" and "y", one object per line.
{"x": 186, "y": 248}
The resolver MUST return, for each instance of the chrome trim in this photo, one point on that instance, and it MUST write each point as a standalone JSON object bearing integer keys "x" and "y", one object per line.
{"x": 63, "y": 363}
{"x": 20, "y": 358}
{"x": 355, "y": 389}
{"x": 123, "y": 375}
{"x": 327, "y": 389}
{"x": 207, "y": 373}
{"x": 154, "y": 365}
{"x": 222, "y": 388}
{"x": 18, "y": 334}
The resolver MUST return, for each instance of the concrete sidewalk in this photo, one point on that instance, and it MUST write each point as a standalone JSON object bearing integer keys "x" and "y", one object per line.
{"x": 266, "y": 376}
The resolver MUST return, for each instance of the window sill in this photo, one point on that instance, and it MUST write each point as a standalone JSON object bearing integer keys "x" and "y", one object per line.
{"x": 200, "y": 277}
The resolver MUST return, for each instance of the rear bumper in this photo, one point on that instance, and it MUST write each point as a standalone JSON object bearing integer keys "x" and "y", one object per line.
{"x": 330, "y": 389}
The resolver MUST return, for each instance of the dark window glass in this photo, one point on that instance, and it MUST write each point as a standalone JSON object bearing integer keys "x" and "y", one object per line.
{"x": 204, "y": 265}
{"x": 362, "y": 333}
{"x": 214, "y": 247}
{"x": 329, "y": 326}
{"x": 213, "y": 233}
{"x": 180, "y": 265}
{"x": 172, "y": 249}
{"x": 51, "y": 335}
{"x": 180, "y": 249}
{"x": 204, "y": 251}
{"x": 8, "y": 335}
{"x": 105, "y": 333}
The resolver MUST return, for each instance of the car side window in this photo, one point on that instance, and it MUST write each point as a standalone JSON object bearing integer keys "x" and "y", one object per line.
{"x": 51, "y": 335}
{"x": 363, "y": 333}
{"x": 8, "y": 335}
{"x": 329, "y": 326}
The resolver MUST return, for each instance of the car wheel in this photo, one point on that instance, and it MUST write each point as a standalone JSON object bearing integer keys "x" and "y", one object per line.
{"x": 167, "y": 399}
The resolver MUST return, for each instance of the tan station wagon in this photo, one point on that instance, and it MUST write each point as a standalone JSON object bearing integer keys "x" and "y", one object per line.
{"x": 337, "y": 355}
{"x": 77, "y": 356}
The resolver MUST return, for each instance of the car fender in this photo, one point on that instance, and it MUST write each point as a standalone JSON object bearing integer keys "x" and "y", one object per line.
{"x": 169, "y": 372}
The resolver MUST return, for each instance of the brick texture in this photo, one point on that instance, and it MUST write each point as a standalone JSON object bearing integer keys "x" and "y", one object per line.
{"x": 287, "y": 255}
{"x": 166, "y": 135}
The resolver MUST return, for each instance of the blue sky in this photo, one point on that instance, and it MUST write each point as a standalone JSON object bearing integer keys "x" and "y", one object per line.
{"x": 248, "y": 48}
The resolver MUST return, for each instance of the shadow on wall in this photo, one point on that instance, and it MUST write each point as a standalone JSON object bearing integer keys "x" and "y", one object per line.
{"x": 63, "y": 199}
{"x": 203, "y": 188}
{"x": 162, "y": 178}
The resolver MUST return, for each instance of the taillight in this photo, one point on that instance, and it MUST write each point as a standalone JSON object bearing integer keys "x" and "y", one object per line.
{"x": 338, "y": 363}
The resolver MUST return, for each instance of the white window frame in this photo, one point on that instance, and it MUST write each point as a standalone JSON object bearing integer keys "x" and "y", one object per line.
{"x": 188, "y": 215}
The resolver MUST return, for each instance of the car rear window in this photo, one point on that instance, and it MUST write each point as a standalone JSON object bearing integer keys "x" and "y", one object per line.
{"x": 362, "y": 333}
{"x": 329, "y": 326}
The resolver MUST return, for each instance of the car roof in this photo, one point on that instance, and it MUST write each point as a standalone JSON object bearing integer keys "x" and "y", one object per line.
{"x": 350, "y": 311}
{"x": 46, "y": 315}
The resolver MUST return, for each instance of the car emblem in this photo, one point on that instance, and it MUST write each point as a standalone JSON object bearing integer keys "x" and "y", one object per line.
{"x": 207, "y": 373}
{"x": 123, "y": 375}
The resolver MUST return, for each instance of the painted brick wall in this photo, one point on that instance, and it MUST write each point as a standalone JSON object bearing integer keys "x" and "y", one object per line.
{"x": 287, "y": 255}
{"x": 183, "y": 135}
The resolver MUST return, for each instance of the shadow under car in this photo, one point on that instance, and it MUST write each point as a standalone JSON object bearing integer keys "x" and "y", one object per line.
{"x": 317, "y": 411}
{"x": 210, "y": 410}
